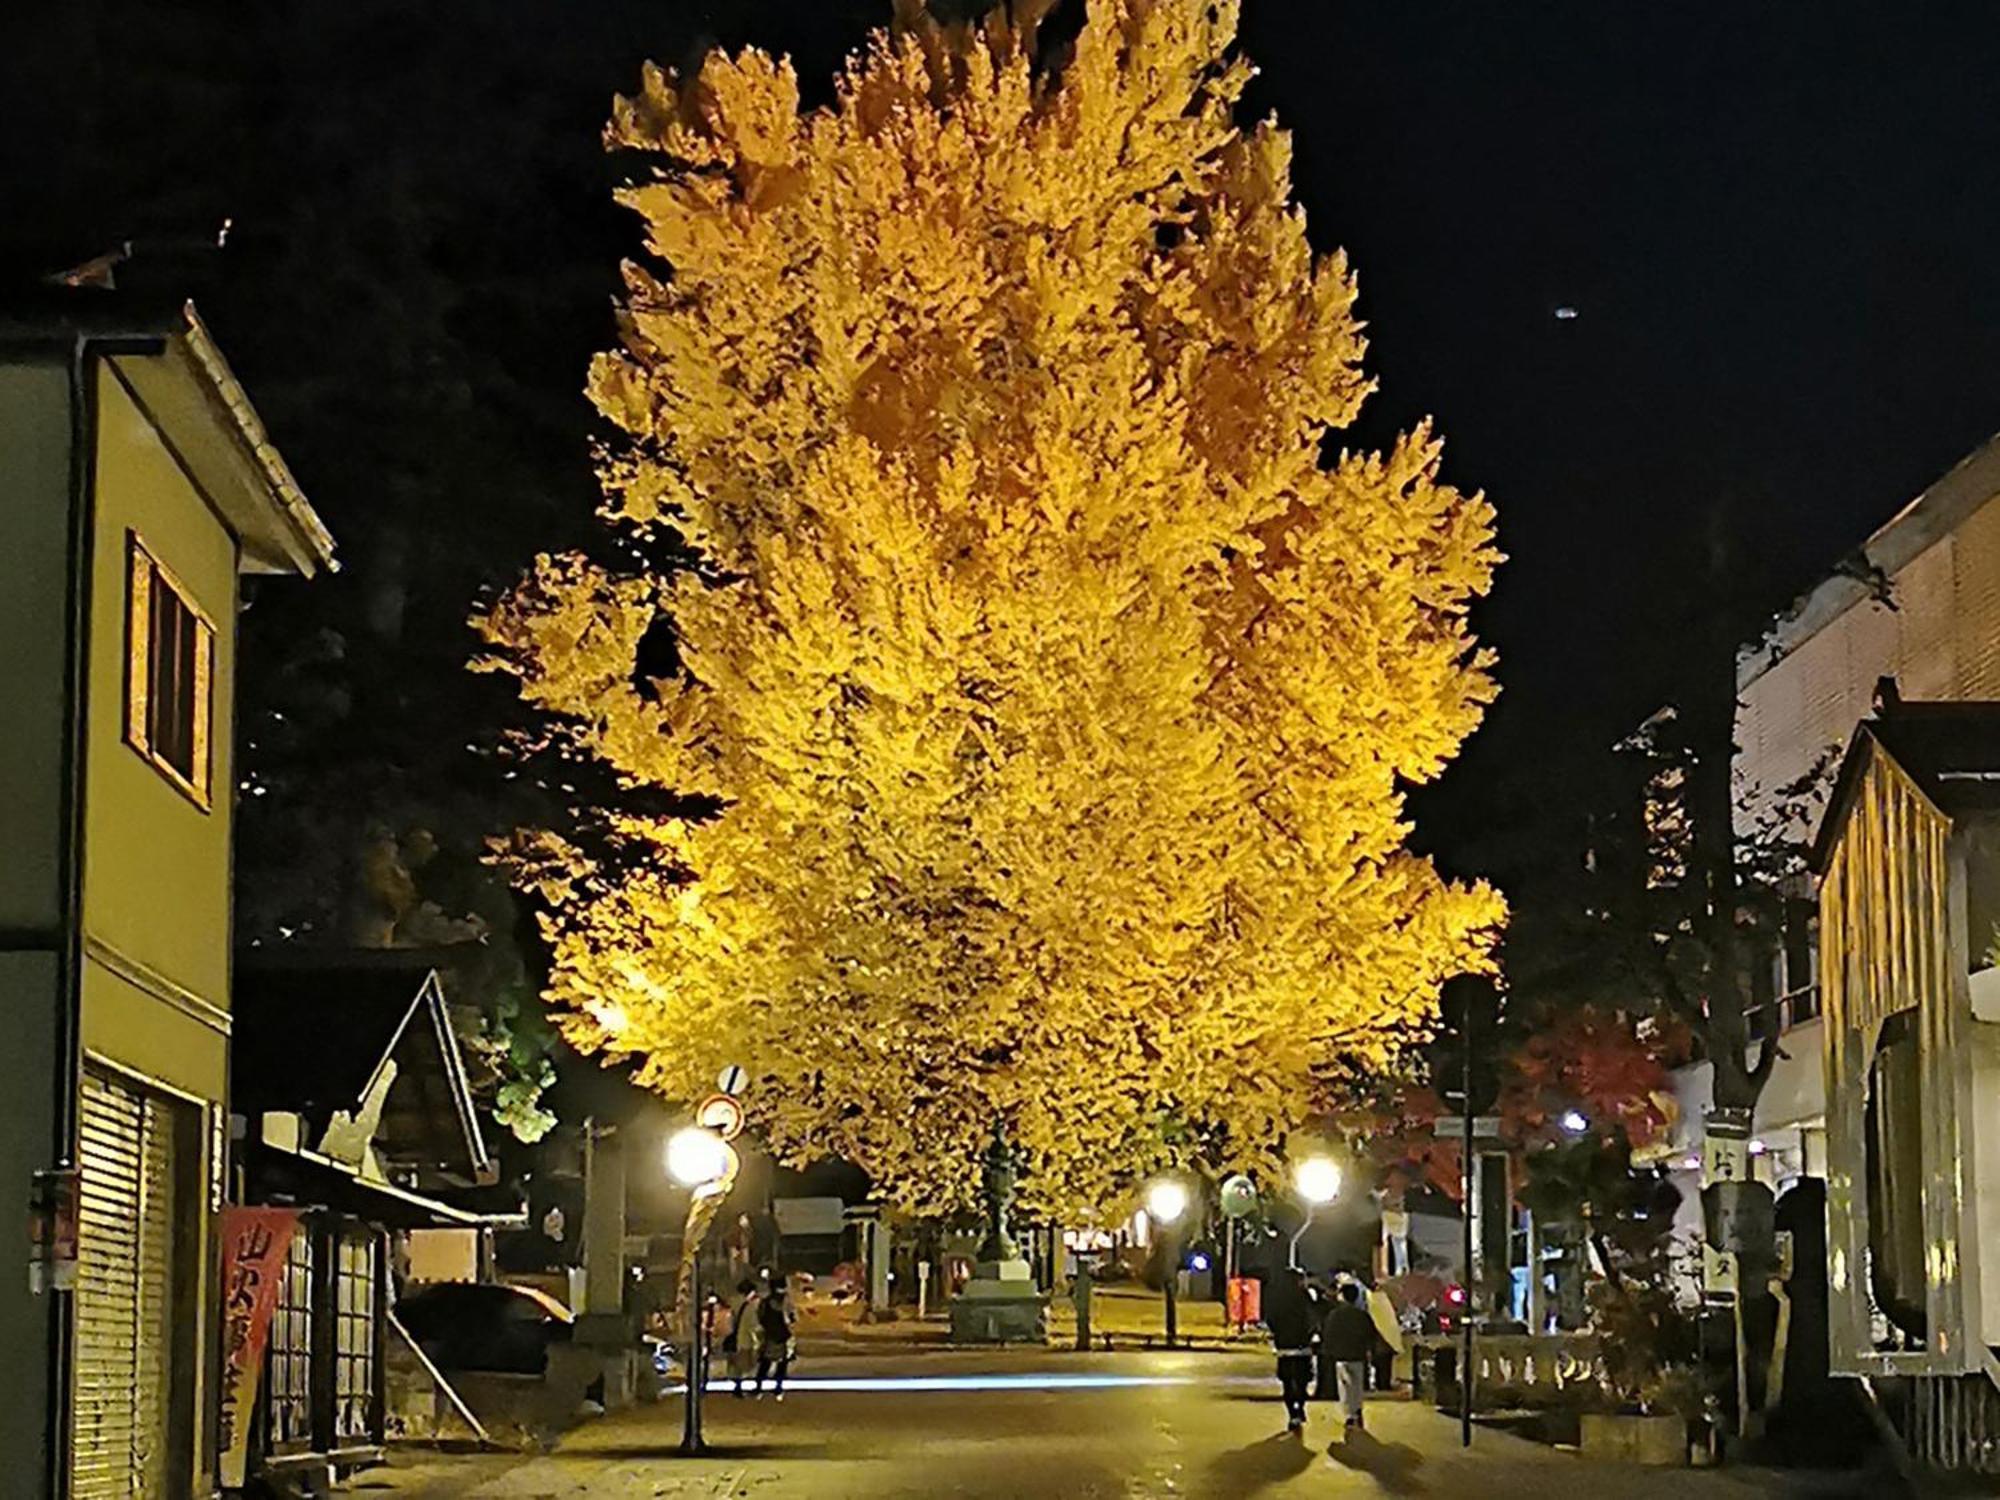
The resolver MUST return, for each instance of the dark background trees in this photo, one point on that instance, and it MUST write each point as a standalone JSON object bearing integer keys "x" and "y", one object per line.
{"x": 1775, "y": 237}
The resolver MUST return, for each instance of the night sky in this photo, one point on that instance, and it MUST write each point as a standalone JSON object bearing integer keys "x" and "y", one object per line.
{"x": 1778, "y": 227}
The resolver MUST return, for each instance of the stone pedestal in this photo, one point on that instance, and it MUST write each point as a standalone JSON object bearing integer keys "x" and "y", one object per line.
{"x": 603, "y": 1344}
{"x": 999, "y": 1305}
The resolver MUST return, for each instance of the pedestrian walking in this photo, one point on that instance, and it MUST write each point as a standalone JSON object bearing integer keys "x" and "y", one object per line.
{"x": 745, "y": 1334}
{"x": 774, "y": 1353}
{"x": 1292, "y": 1316}
{"x": 1348, "y": 1338}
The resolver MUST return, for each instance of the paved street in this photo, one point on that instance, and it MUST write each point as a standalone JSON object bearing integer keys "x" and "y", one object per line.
{"x": 1045, "y": 1424}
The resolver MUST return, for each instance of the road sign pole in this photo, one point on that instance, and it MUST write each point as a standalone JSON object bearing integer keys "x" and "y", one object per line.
{"x": 696, "y": 1365}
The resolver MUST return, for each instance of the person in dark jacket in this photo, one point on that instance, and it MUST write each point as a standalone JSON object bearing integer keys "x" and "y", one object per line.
{"x": 1291, "y": 1313}
{"x": 774, "y": 1353}
{"x": 1347, "y": 1339}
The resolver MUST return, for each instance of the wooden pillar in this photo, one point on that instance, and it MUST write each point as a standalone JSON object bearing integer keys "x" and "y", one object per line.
{"x": 324, "y": 1229}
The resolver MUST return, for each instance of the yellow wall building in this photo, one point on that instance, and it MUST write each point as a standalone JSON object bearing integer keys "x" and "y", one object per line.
{"x": 136, "y": 488}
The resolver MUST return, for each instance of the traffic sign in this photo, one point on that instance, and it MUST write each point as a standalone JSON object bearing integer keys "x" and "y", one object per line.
{"x": 722, "y": 1113}
{"x": 732, "y": 1079}
{"x": 1452, "y": 1127}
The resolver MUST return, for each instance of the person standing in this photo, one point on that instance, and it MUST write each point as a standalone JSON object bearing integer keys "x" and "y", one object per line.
{"x": 1348, "y": 1339}
{"x": 1291, "y": 1316}
{"x": 745, "y": 1336}
{"x": 774, "y": 1353}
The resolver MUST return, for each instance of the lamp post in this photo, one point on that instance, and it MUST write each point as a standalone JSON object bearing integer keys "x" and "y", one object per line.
{"x": 702, "y": 1161}
{"x": 1317, "y": 1182}
{"x": 1166, "y": 1201}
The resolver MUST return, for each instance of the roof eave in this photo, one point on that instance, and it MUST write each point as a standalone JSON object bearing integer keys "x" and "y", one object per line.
{"x": 303, "y": 536}
{"x": 1920, "y": 525}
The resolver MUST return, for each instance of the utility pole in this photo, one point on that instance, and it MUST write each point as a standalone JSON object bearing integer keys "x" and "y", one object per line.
{"x": 1466, "y": 1316}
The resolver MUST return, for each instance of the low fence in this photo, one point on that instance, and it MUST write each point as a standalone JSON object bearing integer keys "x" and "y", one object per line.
{"x": 1947, "y": 1423}
{"x": 1509, "y": 1370}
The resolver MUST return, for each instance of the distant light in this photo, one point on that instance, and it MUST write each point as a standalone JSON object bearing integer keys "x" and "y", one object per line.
{"x": 1758, "y": 1148}
{"x": 1318, "y": 1179}
{"x": 1565, "y": 314}
{"x": 1690, "y": 1163}
{"x": 1166, "y": 1201}
{"x": 1454, "y": 1295}
{"x": 1574, "y": 1122}
{"x": 1197, "y": 1262}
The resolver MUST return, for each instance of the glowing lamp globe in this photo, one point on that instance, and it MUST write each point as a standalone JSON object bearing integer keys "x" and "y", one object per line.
{"x": 1317, "y": 1179}
{"x": 1239, "y": 1197}
{"x": 696, "y": 1157}
{"x": 1166, "y": 1201}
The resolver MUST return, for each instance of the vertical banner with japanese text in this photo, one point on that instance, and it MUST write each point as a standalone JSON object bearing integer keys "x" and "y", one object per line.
{"x": 254, "y": 1244}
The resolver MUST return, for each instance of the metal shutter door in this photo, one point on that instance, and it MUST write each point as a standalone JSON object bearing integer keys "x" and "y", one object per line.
{"x": 124, "y": 1331}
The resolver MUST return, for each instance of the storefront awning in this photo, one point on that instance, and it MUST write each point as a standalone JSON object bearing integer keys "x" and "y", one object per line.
{"x": 282, "y": 1175}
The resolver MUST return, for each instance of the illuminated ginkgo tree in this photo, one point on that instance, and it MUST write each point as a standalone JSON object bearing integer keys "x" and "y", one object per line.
{"x": 1044, "y": 685}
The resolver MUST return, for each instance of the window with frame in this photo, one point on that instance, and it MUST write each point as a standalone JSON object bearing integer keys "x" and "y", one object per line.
{"x": 354, "y": 1341}
{"x": 290, "y": 1349}
{"x": 170, "y": 660}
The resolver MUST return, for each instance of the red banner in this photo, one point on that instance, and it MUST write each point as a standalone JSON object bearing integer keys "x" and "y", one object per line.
{"x": 254, "y": 1244}
{"x": 1246, "y": 1300}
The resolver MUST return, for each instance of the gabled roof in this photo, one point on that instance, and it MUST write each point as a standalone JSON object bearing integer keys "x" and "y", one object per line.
{"x": 316, "y": 1032}
{"x": 1951, "y": 750}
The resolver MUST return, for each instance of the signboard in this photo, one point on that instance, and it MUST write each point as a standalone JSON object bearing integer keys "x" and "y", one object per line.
{"x": 1452, "y": 1127}
{"x": 1245, "y": 1301}
{"x": 809, "y": 1215}
{"x": 52, "y": 1210}
{"x": 254, "y": 1242}
{"x": 1724, "y": 1159}
{"x": 1718, "y": 1272}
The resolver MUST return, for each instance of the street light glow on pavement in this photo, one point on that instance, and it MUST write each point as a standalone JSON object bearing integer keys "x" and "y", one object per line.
{"x": 1021, "y": 1382}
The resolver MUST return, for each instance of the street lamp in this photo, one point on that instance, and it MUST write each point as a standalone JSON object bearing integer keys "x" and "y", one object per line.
{"x": 697, "y": 1158}
{"x": 1166, "y": 1201}
{"x": 1317, "y": 1181}
{"x": 703, "y": 1162}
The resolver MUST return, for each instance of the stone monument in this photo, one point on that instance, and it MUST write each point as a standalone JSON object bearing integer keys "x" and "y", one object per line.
{"x": 1000, "y": 1304}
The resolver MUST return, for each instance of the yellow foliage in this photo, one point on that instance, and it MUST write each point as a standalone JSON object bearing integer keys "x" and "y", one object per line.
{"x": 1055, "y": 692}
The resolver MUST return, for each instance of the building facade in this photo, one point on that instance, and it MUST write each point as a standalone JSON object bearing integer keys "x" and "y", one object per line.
{"x": 1919, "y": 604}
{"x": 372, "y": 1141}
{"x": 136, "y": 488}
